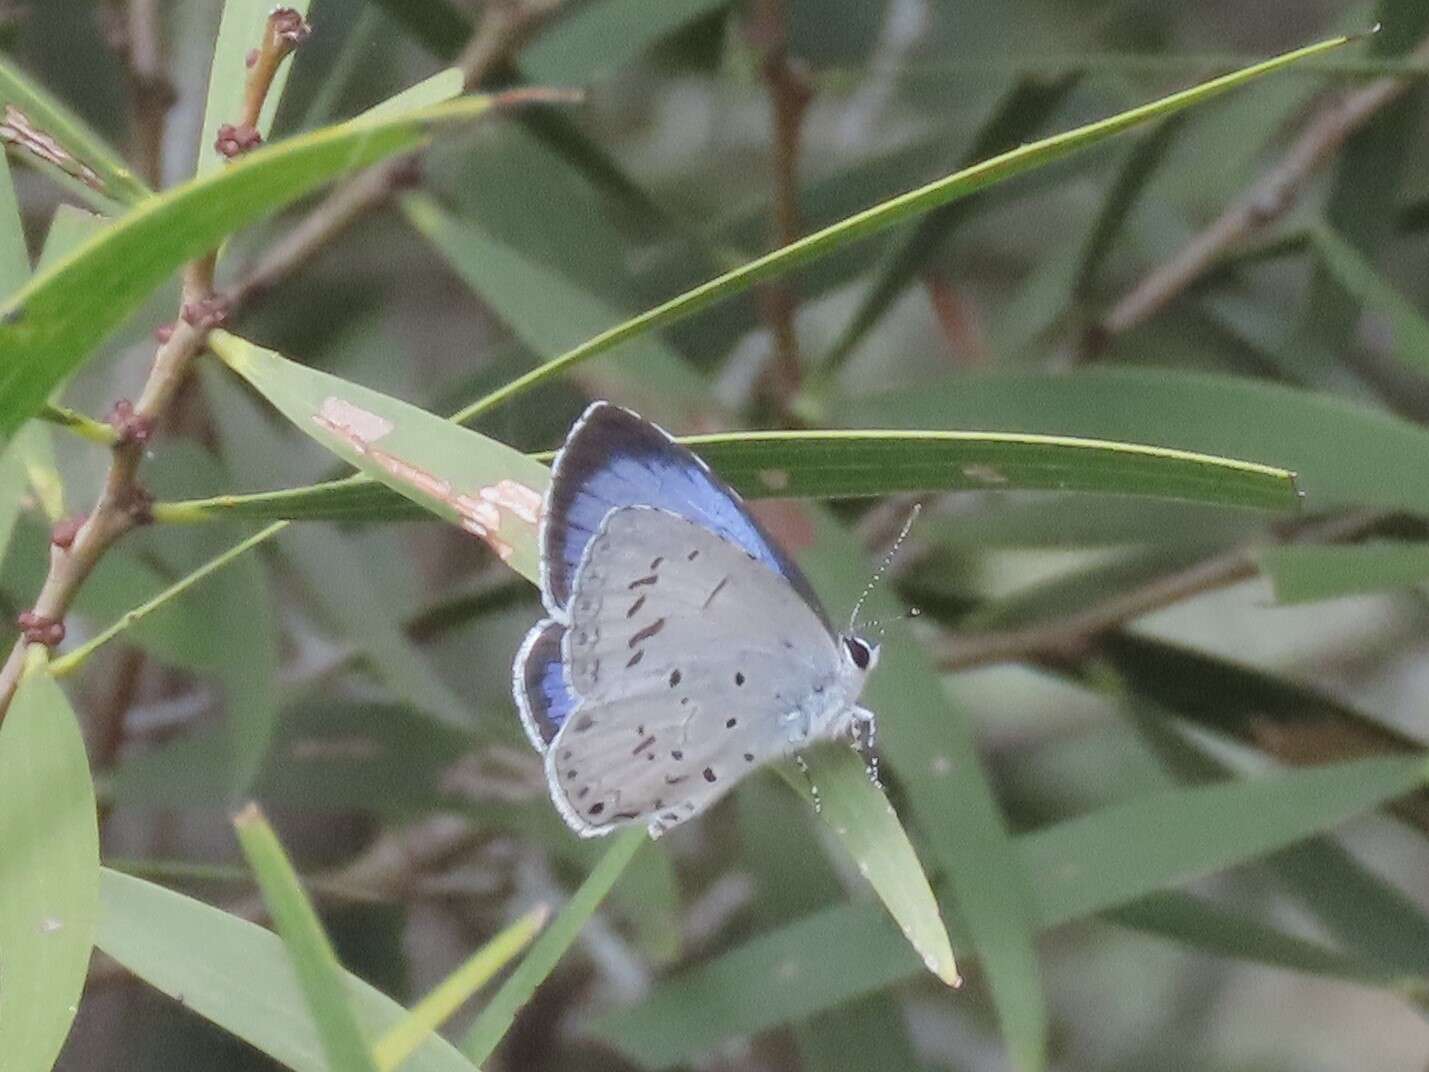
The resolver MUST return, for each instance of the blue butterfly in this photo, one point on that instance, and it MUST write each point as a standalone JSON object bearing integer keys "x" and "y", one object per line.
{"x": 683, "y": 649}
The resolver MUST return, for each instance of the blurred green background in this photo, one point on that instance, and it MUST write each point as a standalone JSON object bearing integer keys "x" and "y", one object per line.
{"x": 1302, "y": 347}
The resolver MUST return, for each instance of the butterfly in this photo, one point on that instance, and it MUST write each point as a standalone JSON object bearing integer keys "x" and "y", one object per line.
{"x": 682, "y": 648}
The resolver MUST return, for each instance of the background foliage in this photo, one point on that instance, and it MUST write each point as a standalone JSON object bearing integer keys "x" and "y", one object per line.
{"x": 1155, "y": 748}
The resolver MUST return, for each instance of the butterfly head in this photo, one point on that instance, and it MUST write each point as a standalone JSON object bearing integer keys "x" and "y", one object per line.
{"x": 860, "y": 655}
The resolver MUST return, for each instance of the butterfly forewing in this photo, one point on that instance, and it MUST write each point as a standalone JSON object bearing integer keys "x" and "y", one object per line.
{"x": 687, "y": 656}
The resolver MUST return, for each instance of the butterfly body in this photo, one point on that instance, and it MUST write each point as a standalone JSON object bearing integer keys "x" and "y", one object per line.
{"x": 682, "y": 649}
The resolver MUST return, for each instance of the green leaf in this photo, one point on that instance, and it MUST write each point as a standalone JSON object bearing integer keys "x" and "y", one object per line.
{"x": 52, "y": 324}
{"x": 14, "y": 254}
{"x": 1358, "y": 277}
{"x": 859, "y": 814}
{"x": 73, "y": 659}
{"x": 1207, "y": 928}
{"x": 836, "y": 464}
{"x": 440, "y": 87}
{"x": 500, "y": 1012}
{"x": 457, "y": 474}
{"x": 1306, "y": 574}
{"x": 1131, "y": 181}
{"x": 840, "y": 953}
{"x": 338, "y": 582}
{"x": 1023, "y": 111}
{"x": 240, "y": 31}
{"x": 929, "y": 742}
{"x": 549, "y": 313}
{"x": 49, "y": 870}
{"x": 319, "y": 974}
{"x": 93, "y": 166}
{"x": 236, "y": 975}
{"x": 453, "y": 991}
{"x": 885, "y": 215}
{"x": 1302, "y": 431}
{"x": 70, "y": 227}
{"x": 252, "y": 705}
{"x": 820, "y": 962}
{"x": 1121, "y": 852}
{"x": 599, "y": 38}
{"x": 437, "y": 24}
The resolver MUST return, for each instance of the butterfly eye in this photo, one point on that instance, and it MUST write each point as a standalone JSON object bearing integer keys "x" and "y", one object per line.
{"x": 858, "y": 651}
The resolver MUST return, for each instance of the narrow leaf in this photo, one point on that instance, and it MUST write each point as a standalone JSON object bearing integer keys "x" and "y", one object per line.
{"x": 861, "y": 817}
{"x": 834, "y": 464}
{"x": 1119, "y": 853}
{"x": 500, "y": 1012}
{"x": 888, "y": 214}
{"x": 1307, "y": 574}
{"x": 452, "y": 992}
{"x": 52, "y": 324}
{"x": 1409, "y": 330}
{"x": 837, "y": 954}
{"x": 319, "y": 973}
{"x": 236, "y": 975}
{"x": 49, "y": 870}
{"x": 240, "y": 31}
{"x": 485, "y": 486}
{"x": 82, "y": 154}
{"x": 443, "y": 86}
{"x": 1264, "y": 422}
{"x": 14, "y": 254}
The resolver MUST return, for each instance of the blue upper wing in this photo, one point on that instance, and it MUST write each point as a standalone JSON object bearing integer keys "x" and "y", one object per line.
{"x": 614, "y": 458}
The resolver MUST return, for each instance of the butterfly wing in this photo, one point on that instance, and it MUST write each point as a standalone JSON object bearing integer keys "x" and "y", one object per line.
{"x": 614, "y": 458}
{"x": 690, "y": 659}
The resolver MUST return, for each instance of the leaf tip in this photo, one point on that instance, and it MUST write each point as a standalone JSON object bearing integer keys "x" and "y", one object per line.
{"x": 248, "y": 816}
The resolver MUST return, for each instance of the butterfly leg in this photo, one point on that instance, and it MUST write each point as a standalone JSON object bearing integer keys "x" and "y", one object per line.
{"x": 808, "y": 777}
{"x": 865, "y": 733}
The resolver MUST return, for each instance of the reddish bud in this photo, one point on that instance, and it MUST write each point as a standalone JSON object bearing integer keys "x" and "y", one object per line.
{"x": 289, "y": 26}
{"x": 130, "y": 427}
{"x": 37, "y": 629}
{"x": 163, "y": 333}
{"x": 250, "y": 59}
{"x": 206, "y": 312}
{"x": 64, "y": 531}
{"x": 234, "y": 141}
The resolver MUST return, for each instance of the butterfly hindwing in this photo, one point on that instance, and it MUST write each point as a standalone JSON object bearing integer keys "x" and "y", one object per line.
{"x": 690, "y": 659}
{"x": 612, "y": 459}
{"x": 539, "y": 683}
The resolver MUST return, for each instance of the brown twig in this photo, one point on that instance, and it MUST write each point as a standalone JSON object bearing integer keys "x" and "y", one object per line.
{"x": 789, "y": 95}
{"x": 1070, "y": 637}
{"x": 123, "y": 502}
{"x": 1267, "y": 200}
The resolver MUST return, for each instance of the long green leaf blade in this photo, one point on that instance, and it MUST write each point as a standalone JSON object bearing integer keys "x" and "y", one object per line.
{"x": 49, "y": 870}
{"x": 836, "y": 464}
{"x": 236, "y": 975}
{"x": 91, "y": 163}
{"x": 319, "y": 973}
{"x": 828, "y": 958}
{"x": 1308, "y": 574}
{"x": 888, "y": 214}
{"x": 496, "y": 1018}
{"x": 51, "y": 325}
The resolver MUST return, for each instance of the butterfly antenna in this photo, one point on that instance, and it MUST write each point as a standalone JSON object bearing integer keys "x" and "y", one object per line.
{"x": 883, "y": 566}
